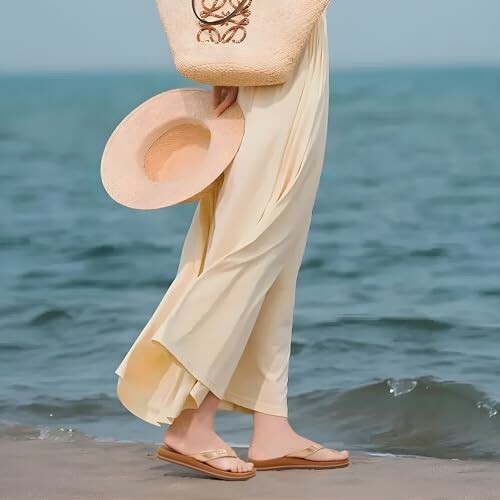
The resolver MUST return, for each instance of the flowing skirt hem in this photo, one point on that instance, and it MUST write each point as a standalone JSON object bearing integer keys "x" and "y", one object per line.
{"x": 181, "y": 390}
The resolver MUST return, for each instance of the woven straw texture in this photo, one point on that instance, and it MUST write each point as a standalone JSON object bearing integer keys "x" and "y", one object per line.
{"x": 260, "y": 46}
{"x": 171, "y": 149}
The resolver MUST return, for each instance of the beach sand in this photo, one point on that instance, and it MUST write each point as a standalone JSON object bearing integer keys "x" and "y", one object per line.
{"x": 38, "y": 469}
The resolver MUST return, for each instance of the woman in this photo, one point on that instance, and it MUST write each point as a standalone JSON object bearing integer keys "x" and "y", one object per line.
{"x": 221, "y": 336}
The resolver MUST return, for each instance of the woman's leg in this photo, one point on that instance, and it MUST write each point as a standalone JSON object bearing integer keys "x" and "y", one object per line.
{"x": 262, "y": 374}
{"x": 273, "y": 436}
{"x": 194, "y": 431}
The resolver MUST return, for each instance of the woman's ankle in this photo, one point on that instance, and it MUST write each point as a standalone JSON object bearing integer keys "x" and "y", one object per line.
{"x": 202, "y": 417}
{"x": 264, "y": 425}
{"x": 267, "y": 428}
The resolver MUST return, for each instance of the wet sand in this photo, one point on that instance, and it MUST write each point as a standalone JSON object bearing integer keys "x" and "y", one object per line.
{"x": 36, "y": 469}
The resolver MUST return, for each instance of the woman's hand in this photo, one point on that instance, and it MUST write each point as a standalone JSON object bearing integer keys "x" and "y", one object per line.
{"x": 223, "y": 97}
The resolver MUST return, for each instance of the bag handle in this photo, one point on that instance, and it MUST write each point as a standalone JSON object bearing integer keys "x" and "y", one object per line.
{"x": 238, "y": 9}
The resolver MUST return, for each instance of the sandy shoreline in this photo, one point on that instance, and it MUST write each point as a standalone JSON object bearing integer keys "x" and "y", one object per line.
{"x": 36, "y": 469}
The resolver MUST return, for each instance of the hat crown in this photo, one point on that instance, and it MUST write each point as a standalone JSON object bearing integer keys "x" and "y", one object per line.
{"x": 170, "y": 149}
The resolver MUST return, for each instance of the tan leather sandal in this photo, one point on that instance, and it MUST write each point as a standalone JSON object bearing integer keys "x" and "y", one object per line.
{"x": 197, "y": 461}
{"x": 298, "y": 460}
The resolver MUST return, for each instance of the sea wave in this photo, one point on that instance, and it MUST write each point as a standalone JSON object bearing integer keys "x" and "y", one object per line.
{"x": 422, "y": 416}
{"x": 388, "y": 322}
{"x": 417, "y": 416}
{"x": 15, "y": 431}
{"x": 41, "y": 408}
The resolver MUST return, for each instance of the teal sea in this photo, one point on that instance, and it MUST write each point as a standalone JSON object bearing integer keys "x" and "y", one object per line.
{"x": 396, "y": 345}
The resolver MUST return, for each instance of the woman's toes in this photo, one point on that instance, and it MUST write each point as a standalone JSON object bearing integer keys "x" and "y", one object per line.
{"x": 338, "y": 455}
{"x": 245, "y": 466}
{"x": 224, "y": 464}
{"x": 232, "y": 464}
{"x": 330, "y": 454}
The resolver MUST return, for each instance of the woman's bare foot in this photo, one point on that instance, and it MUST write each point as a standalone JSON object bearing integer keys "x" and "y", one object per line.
{"x": 193, "y": 432}
{"x": 273, "y": 437}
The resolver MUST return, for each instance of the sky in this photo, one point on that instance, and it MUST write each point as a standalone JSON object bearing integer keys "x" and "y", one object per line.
{"x": 40, "y": 35}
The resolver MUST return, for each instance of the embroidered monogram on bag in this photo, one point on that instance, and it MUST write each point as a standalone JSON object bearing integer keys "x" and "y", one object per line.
{"x": 233, "y": 30}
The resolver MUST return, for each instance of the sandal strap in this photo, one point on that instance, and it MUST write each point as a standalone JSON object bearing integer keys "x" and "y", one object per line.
{"x": 205, "y": 456}
{"x": 305, "y": 452}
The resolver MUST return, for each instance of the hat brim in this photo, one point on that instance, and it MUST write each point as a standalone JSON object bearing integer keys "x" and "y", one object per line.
{"x": 123, "y": 169}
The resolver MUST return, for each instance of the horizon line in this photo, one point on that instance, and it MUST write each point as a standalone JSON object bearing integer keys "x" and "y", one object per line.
{"x": 172, "y": 69}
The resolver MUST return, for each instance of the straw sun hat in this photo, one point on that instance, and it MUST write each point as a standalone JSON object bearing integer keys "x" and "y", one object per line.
{"x": 171, "y": 149}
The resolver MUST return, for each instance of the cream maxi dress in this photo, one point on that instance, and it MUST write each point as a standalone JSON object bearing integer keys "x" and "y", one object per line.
{"x": 225, "y": 323}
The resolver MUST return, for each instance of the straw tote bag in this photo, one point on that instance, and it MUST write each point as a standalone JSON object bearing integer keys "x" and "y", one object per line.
{"x": 238, "y": 42}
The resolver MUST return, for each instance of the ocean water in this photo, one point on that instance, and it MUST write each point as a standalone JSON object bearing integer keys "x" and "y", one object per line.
{"x": 396, "y": 345}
